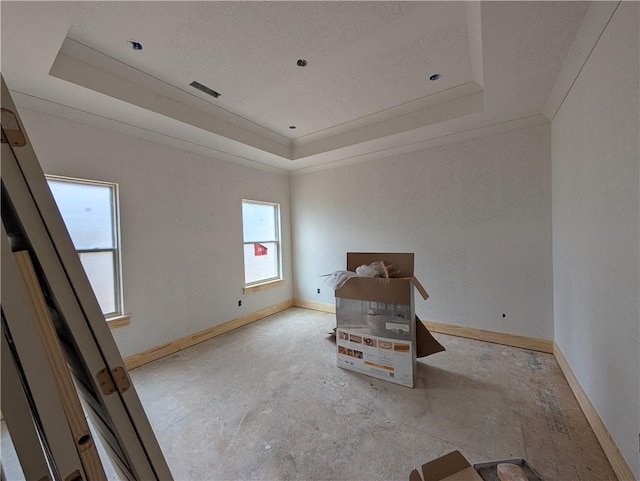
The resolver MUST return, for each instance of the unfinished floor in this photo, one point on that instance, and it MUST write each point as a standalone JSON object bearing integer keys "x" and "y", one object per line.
{"x": 268, "y": 402}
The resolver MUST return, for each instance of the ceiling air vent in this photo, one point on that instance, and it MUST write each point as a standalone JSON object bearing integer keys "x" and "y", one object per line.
{"x": 205, "y": 89}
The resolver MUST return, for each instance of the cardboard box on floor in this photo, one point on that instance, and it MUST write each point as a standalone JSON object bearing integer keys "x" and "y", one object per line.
{"x": 397, "y": 291}
{"x": 455, "y": 467}
{"x": 450, "y": 467}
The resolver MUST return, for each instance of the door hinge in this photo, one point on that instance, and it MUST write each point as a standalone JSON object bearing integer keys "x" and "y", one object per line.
{"x": 121, "y": 378}
{"x": 11, "y": 129}
{"x": 110, "y": 381}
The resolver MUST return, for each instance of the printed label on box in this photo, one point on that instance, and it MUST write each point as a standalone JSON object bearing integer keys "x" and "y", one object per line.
{"x": 384, "y": 358}
{"x": 394, "y": 326}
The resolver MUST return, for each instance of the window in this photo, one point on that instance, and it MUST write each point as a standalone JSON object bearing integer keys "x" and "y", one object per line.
{"x": 261, "y": 235}
{"x": 90, "y": 212}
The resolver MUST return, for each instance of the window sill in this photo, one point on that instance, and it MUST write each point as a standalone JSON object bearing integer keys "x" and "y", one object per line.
{"x": 118, "y": 321}
{"x": 261, "y": 287}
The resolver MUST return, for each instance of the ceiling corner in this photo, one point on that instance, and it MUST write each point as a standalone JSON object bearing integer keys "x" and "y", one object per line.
{"x": 593, "y": 25}
{"x": 474, "y": 34}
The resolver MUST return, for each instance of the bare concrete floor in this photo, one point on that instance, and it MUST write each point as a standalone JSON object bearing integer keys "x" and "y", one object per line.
{"x": 268, "y": 402}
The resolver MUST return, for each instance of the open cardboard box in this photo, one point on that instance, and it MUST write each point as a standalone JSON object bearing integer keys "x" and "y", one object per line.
{"x": 395, "y": 290}
{"x": 378, "y": 331}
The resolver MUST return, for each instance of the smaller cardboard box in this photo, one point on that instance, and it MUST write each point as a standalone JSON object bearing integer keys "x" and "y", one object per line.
{"x": 450, "y": 467}
{"x": 455, "y": 467}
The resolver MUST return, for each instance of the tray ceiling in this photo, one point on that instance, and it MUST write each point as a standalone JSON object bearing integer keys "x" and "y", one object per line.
{"x": 365, "y": 91}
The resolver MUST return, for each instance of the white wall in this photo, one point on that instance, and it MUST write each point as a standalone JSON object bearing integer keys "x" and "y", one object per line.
{"x": 595, "y": 158}
{"x": 477, "y": 215}
{"x": 181, "y": 227}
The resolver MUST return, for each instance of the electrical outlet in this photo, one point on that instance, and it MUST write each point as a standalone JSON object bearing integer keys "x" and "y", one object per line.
{"x": 239, "y": 303}
{"x": 318, "y": 291}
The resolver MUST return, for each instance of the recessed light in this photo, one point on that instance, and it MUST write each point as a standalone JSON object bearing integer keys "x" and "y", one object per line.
{"x": 435, "y": 76}
{"x": 135, "y": 45}
{"x": 301, "y": 62}
{"x": 292, "y": 127}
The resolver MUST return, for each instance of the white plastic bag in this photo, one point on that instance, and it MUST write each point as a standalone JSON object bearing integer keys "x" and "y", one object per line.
{"x": 367, "y": 271}
{"x": 338, "y": 278}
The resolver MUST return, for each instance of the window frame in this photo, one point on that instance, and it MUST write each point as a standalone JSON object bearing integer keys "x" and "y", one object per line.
{"x": 115, "y": 228}
{"x": 278, "y": 278}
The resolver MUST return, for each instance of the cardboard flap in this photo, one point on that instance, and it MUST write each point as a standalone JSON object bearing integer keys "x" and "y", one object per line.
{"x": 394, "y": 291}
{"x": 426, "y": 344}
{"x": 448, "y": 465}
{"x": 419, "y": 288}
{"x": 467, "y": 474}
{"x": 415, "y": 476}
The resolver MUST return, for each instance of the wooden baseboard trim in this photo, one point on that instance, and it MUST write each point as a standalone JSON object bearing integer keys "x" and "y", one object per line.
{"x": 144, "y": 357}
{"x": 524, "y": 342}
{"x": 617, "y": 461}
{"x": 532, "y": 343}
{"x": 119, "y": 321}
{"x": 315, "y": 306}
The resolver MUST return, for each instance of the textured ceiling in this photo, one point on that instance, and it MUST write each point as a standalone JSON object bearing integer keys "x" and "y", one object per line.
{"x": 364, "y": 93}
{"x": 363, "y": 57}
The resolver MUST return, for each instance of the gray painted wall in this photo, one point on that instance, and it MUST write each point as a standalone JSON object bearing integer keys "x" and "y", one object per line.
{"x": 595, "y": 158}
{"x": 477, "y": 215}
{"x": 181, "y": 225}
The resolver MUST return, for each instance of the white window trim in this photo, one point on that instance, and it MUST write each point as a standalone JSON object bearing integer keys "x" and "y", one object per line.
{"x": 119, "y": 296}
{"x": 253, "y": 286}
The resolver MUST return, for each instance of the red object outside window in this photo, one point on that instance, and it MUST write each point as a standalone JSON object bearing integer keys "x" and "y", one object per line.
{"x": 259, "y": 250}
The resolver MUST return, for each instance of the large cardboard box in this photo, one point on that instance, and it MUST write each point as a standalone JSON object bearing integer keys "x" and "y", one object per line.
{"x": 378, "y": 333}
